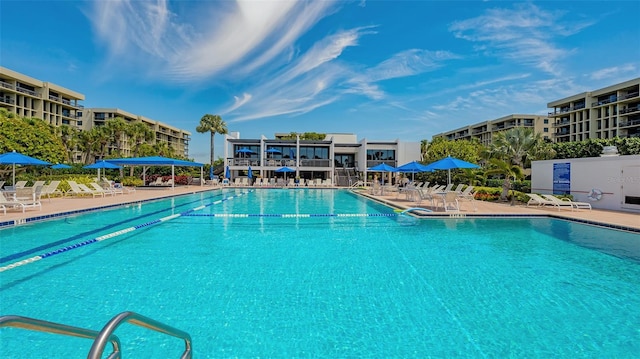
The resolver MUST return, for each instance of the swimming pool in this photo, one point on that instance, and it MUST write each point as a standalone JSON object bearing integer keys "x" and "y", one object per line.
{"x": 366, "y": 285}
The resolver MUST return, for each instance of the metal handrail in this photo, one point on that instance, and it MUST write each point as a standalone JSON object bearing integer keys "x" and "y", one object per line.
{"x": 130, "y": 317}
{"x": 16, "y": 321}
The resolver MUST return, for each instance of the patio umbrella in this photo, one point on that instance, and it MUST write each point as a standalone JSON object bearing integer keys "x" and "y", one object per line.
{"x": 227, "y": 172}
{"x": 244, "y": 151}
{"x": 101, "y": 164}
{"x": 285, "y": 170}
{"x": 249, "y": 174}
{"x": 60, "y": 166}
{"x": 413, "y": 168}
{"x": 16, "y": 158}
{"x": 273, "y": 150}
{"x": 449, "y": 163}
{"x": 211, "y": 172}
{"x": 383, "y": 167}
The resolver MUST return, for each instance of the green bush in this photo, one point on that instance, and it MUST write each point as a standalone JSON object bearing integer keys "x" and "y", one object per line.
{"x": 132, "y": 181}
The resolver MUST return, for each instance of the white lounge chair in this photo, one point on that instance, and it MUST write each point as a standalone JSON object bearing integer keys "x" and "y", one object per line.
{"x": 536, "y": 200}
{"x": 543, "y": 201}
{"x": 157, "y": 182}
{"x": 449, "y": 202}
{"x": 20, "y": 184}
{"x": 81, "y": 190}
{"x": 97, "y": 188}
{"x": 563, "y": 202}
{"x": 51, "y": 189}
{"x": 24, "y": 198}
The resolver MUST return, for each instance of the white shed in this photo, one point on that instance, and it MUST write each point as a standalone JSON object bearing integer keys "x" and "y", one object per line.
{"x": 607, "y": 182}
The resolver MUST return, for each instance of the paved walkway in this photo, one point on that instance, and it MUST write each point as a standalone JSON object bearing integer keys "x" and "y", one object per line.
{"x": 67, "y": 204}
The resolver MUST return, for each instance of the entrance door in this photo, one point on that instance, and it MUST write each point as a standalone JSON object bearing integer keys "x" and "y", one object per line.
{"x": 631, "y": 187}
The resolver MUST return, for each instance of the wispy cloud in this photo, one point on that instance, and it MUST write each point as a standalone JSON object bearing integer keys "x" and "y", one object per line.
{"x": 525, "y": 34}
{"x": 215, "y": 37}
{"x": 615, "y": 72}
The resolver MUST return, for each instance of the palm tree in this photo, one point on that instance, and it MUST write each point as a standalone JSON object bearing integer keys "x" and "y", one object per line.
{"x": 516, "y": 147}
{"x": 213, "y": 124}
{"x": 510, "y": 171}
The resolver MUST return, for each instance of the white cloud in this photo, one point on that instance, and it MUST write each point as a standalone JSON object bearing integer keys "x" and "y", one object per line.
{"x": 614, "y": 72}
{"x": 524, "y": 35}
{"x": 209, "y": 38}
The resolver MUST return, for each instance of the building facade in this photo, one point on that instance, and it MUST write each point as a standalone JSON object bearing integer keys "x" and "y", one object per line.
{"x": 341, "y": 158}
{"x": 485, "y": 131}
{"x": 174, "y": 137}
{"x": 28, "y": 97}
{"x": 56, "y": 105}
{"x": 609, "y": 112}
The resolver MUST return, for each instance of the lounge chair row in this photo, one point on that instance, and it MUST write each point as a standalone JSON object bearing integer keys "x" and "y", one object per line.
{"x": 553, "y": 201}
{"x": 279, "y": 182}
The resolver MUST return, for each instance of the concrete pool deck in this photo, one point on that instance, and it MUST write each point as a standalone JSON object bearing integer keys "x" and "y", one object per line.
{"x": 71, "y": 204}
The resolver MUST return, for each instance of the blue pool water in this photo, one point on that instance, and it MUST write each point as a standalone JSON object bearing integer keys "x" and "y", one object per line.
{"x": 361, "y": 286}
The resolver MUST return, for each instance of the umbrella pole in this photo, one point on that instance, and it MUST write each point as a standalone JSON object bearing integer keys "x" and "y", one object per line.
{"x": 14, "y": 175}
{"x": 449, "y": 177}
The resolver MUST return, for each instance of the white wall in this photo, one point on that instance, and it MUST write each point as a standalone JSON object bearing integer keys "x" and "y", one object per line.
{"x": 617, "y": 177}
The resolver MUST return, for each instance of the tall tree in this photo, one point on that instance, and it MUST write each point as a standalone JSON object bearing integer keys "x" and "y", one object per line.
{"x": 516, "y": 147}
{"x": 213, "y": 124}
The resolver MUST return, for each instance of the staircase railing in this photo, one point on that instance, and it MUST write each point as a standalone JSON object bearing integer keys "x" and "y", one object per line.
{"x": 100, "y": 339}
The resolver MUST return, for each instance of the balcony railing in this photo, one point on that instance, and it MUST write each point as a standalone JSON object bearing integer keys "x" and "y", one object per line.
{"x": 604, "y": 102}
{"x": 629, "y": 123}
{"x": 28, "y": 92}
{"x": 629, "y": 95}
{"x": 630, "y": 109}
{"x": 7, "y": 85}
{"x": 562, "y": 123}
{"x": 8, "y": 100}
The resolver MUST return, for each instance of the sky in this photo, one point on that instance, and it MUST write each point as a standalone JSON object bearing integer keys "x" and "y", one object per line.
{"x": 384, "y": 70}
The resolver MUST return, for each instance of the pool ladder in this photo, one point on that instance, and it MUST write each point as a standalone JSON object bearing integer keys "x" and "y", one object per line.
{"x": 100, "y": 339}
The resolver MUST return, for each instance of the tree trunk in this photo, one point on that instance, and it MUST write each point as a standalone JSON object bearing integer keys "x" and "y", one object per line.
{"x": 212, "y": 134}
{"x": 506, "y": 185}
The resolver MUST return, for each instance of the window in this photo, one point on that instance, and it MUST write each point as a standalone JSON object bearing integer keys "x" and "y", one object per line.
{"x": 546, "y": 121}
{"x": 546, "y": 129}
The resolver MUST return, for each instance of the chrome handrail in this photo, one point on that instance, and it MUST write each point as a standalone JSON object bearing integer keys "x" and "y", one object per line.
{"x": 130, "y": 317}
{"x": 16, "y": 321}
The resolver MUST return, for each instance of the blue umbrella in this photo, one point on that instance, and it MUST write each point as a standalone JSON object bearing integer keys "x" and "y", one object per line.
{"x": 211, "y": 172}
{"x": 101, "y": 164}
{"x": 383, "y": 167}
{"x": 413, "y": 167}
{"x": 16, "y": 158}
{"x": 227, "y": 172}
{"x": 449, "y": 163}
{"x": 272, "y": 150}
{"x": 244, "y": 151}
{"x": 292, "y": 153}
{"x": 60, "y": 166}
{"x": 285, "y": 170}
{"x": 249, "y": 174}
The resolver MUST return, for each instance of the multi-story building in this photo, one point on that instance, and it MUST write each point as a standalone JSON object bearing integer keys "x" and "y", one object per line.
{"x": 56, "y": 105}
{"x": 28, "y": 97}
{"x": 612, "y": 111}
{"x": 484, "y": 131}
{"x": 174, "y": 137}
{"x": 339, "y": 157}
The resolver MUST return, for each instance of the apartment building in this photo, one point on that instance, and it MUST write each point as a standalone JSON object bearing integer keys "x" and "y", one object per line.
{"x": 339, "y": 157}
{"x": 174, "y": 137}
{"x": 56, "y": 105}
{"x": 484, "y": 131}
{"x": 28, "y": 97}
{"x": 613, "y": 111}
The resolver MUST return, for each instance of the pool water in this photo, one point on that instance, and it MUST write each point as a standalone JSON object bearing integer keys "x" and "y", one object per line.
{"x": 374, "y": 285}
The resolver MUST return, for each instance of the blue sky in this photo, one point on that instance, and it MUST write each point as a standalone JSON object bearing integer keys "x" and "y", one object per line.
{"x": 384, "y": 70}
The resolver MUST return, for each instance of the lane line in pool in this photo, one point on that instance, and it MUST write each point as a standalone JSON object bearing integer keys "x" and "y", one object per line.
{"x": 114, "y": 234}
{"x": 289, "y": 215}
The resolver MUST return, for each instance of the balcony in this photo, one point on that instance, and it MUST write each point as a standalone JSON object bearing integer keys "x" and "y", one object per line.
{"x": 611, "y": 99}
{"x": 8, "y": 100}
{"x": 562, "y": 123}
{"x": 630, "y": 109}
{"x": 629, "y": 95}
{"x": 629, "y": 123}
{"x": 26, "y": 91}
